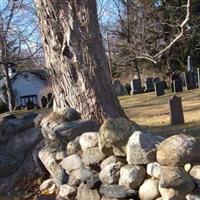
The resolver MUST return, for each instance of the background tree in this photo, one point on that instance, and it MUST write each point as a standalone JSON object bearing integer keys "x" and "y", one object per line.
{"x": 19, "y": 39}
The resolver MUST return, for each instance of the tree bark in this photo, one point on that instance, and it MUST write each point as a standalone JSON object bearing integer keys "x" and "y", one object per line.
{"x": 76, "y": 58}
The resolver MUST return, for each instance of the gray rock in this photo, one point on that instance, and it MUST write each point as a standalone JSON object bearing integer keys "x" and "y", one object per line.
{"x": 7, "y": 131}
{"x": 71, "y": 163}
{"x": 112, "y": 159}
{"x": 22, "y": 124}
{"x": 92, "y": 157}
{"x": 70, "y": 114}
{"x": 114, "y": 134}
{"x": 29, "y": 115}
{"x": 66, "y": 131}
{"x": 88, "y": 140}
{"x": 195, "y": 173}
{"x": 153, "y": 169}
{"x": 67, "y": 192}
{"x": 194, "y": 195}
{"x": 178, "y": 150}
{"x": 73, "y": 147}
{"x": 8, "y": 164}
{"x": 85, "y": 193}
{"x": 24, "y": 141}
{"x": 141, "y": 148}
{"x": 46, "y": 184}
{"x": 93, "y": 182}
{"x": 60, "y": 155}
{"x": 117, "y": 191}
{"x": 48, "y": 157}
{"x": 149, "y": 190}
{"x": 132, "y": 176}
{"x": 175, "y": 179}
{"x": 79, "y": 175}
{"x": 110, "y": 173}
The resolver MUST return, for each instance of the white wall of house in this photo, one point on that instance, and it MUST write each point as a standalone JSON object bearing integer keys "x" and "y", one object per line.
{"x": 26, "y": 84}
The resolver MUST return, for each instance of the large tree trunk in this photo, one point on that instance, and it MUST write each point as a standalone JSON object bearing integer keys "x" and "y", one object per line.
{"x": 76, "y": 57}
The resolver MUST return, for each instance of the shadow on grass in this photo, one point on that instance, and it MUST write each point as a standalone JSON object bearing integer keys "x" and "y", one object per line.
{"x": 169, "y": 130}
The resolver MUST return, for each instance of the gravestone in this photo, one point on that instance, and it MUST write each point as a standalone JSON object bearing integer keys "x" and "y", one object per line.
{"x": 190, "y": 82}
{"x": 30, "y": 105}
{"x": 44, "y": 102}
{"x": 128, "y": 88}
{"x": 159, "y": 88}
{"x": 175, "y": 76}
{"x": 189, "y": 64}
{"x": 118, "y": 88}
{"x": 198, "y": 77}
{"x": 177, "y": 85}
{"x": 136, "y": 86}
{"x": 157, "y": 79}
{"x": 149, "y": 86}
{"x": 176, "y": 110}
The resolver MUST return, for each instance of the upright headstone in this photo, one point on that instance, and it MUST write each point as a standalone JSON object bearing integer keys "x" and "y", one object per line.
{"x": 44, "y": 102}
{"x": 136, "y": 86}
{"x": 189, "y": 64}
{"x": 177, "y": 85}
{"x": 198, "y": 77}
{"x": 176, "y": 110}
{"x": 149, "y": 86}
{"x": 157, "y": 79}
{"x": 159, "y": 88}
{"x": 175, "y": 75}
{"x": 190, "y": 82}
{"x": 118, "y": 88}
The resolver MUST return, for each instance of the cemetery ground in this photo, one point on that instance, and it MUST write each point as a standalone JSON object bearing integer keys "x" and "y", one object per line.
{"x": 152, "y": 113}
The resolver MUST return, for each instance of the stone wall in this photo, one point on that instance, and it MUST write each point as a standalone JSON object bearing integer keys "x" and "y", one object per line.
{"x": 117, "y": 161}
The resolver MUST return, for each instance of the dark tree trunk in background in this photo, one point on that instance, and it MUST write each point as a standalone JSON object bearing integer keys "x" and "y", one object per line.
{"x": 3, "y": 61}
{"x": 76, "y": 58}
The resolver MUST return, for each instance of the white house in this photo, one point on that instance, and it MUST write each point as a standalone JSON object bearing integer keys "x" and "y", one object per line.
{"x": 26, "y": 86}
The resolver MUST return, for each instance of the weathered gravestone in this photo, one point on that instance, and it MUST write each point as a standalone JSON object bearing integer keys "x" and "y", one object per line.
{"x": 149, "y": 86}
{"x": 198, "y": 77}
{"x": 159, "y": 88}
{"x": 30, "y": 105}
{"x": 190, "y": 82}
{"x": 136, "y": 86}
{"x": 44, "y": 102}
{"x": 175, "y": 76}
{"x": 118, "y": 88}
{"x": 177, "y": 85}
{"x": 176, "y": 110}
{"x": 157, "y": 79}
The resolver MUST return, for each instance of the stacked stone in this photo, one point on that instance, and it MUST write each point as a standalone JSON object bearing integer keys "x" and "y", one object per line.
{"x": 123, "y": 162}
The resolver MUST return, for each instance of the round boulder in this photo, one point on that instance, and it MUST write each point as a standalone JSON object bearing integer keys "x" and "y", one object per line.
{"x": 114, "y": 134}
{"x": 88, "y": 140}
{"x": 178, "y": 150}
{"x": 71, "y": 163}
{"x": 141, "y": 148}
{"x": 195, "y": 173}
{"x": 153, "y": 169}
{"x": 149, "y": 190}
{"x": 110, "y": 174}
{"x": 175, "y": 181}
{"x": 132, "y": 176}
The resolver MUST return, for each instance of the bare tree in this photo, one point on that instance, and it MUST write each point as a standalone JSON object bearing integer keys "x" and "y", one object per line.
{"x": 18, "y": 33}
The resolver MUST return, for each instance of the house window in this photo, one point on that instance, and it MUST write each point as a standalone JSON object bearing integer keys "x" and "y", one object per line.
{"x": 31, "y": 98}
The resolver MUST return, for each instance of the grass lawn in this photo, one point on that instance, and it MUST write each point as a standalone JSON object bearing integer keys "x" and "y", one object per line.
{"x": 152, "y": 112}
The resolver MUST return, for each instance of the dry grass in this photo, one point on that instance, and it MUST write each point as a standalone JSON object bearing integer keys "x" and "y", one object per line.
{"x": 152, "y": 112}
